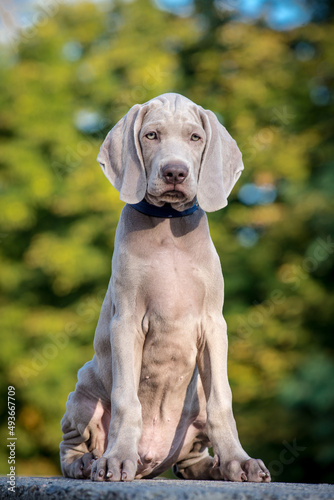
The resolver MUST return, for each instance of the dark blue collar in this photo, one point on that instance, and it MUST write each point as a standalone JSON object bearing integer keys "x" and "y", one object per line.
{"x": 163, "y": 212}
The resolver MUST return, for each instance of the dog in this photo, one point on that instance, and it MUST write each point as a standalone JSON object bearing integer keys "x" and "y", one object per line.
{"x": 156, "y": 393}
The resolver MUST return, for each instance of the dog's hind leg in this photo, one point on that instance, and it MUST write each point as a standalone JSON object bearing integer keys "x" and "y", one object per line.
{"x": 84, "y": 427}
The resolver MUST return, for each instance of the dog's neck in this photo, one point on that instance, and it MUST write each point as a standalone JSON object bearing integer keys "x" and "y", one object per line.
{"x": 165, "y": 212}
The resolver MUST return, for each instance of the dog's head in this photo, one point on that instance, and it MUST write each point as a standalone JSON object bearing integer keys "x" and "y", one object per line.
{"x": 170, "y": 150}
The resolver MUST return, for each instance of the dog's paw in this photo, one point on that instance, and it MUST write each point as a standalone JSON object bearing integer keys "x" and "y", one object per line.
{"x": 81, "y": 467}
{"x": 252, "y": 470}
{"x": 113, "y": 469}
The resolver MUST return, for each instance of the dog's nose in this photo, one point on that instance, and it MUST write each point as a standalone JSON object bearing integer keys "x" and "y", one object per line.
{"x": 174, "y": 173}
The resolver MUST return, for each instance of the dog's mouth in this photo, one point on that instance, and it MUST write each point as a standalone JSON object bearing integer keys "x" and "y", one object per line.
{"x": 172, "y": 195}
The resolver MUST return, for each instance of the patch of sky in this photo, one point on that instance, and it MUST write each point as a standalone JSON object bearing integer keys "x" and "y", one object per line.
{"x": 72, "y": 51}
{"x": 280, "y": 14}
{"x": 180, "y": 7}
{"x": 320, "y": 95}
{"x": 304, "y": 51}
{"x": 287, "y": 14}
{"x": 252, "y": 194}
{"x": 247, "y": 237}
{"x": 88, "y": 121}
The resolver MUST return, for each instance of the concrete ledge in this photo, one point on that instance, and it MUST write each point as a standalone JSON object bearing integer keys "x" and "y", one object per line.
{"x": 57, "y": 488}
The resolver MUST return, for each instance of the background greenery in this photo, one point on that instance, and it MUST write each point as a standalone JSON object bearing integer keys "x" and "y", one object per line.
{"x": 68, "y": 79}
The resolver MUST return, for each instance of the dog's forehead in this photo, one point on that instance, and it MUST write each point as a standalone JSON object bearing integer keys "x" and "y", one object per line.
{"x": 172, "y": 106}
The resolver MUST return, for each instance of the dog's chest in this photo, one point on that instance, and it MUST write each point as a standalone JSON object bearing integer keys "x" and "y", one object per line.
{"x": 173, "y": 280}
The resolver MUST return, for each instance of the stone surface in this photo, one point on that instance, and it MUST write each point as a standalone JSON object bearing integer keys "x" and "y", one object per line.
{"x": 58, "y": 488}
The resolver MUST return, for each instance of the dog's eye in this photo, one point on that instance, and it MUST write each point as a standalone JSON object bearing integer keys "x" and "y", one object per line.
{"x": 151, "y": 136}
{"x": 195, "y": 137}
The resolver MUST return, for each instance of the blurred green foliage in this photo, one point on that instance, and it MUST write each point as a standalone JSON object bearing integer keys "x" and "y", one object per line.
{"x": 70, "y": 78}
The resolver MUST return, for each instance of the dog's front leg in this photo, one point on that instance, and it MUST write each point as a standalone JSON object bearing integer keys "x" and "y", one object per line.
{"x": 231, "y": 461}
{"x": 119, "y": 461}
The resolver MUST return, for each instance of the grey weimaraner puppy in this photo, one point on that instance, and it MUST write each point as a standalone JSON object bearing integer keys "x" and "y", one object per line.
{"x": 156, "y": 393}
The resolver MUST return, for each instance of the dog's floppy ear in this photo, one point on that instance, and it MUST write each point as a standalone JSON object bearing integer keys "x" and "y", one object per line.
{"x": 121, "y": 159}
{"x": 221, "y": 164}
